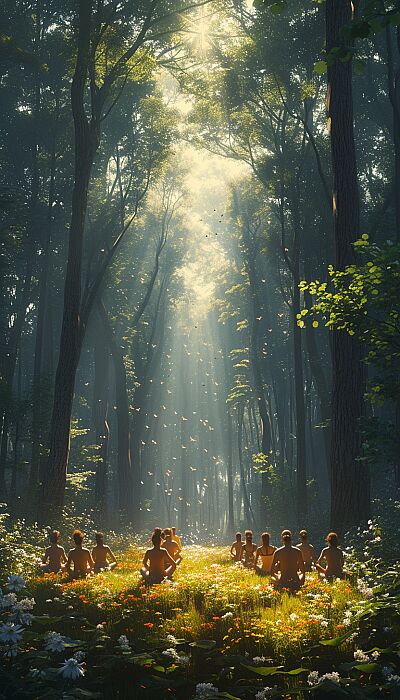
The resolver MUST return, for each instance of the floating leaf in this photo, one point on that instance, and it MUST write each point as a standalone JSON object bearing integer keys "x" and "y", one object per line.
{"x": 264, "y": 670}
{"x": 205, "y": 644}
{"x": 320, "y": 67}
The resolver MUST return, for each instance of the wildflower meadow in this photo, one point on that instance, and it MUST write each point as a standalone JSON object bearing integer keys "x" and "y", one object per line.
{"x": 216, "y": 630}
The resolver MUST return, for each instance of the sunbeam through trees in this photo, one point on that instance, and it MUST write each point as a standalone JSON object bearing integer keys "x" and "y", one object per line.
{"x": 199, "y": 349}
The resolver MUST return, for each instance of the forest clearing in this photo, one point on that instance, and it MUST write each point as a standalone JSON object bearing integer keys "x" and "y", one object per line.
{"x": 216, "y": 630}
{"x": 199, "y": 329}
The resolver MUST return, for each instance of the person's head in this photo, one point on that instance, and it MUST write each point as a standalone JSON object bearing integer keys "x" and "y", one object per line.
{"x": 77, "y": 536}
{"x": 248, "y": 535}
{"x": 286, "y": 536}
{"x": 167, "y": 534}
{"x": 265, "y": 539}
{"x": 54, "y": 536}
{"x": 238, "y": 536}
{"x": 156, "y": 537}
{"x": 303, "y": 535}
{"x": 332, "y": 539}
{"x": 99, "y": 538}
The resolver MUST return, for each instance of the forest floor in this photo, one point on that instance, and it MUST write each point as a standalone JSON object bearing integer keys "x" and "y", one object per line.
{"x": 217, "y": 630}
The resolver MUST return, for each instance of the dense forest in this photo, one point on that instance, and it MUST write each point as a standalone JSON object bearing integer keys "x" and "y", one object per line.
{"x": 199, "y": 328}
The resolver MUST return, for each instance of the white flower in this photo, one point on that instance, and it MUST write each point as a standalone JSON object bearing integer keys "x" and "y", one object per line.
{"x": 123, "y": 642}
{"x": 23, "y": 618}
{"x": 15, "y": 582}
{"x": 361, "y": 657}
{"x": 79, "y": 656}
{"x": 172, "y": 640}
{"x": 170, "y": 653}
{"x": 259, "y": 660}
{"x": 324, "y": 623}
{"x": 227, "y": 615}
{"x": 364, "y": 588}
{"x": 387, "y": 671}
{"x": 10, "y": 633}
{"x": 265, "y": 693}
{"x": 293, "y": 616}
{"x": 173, "y": 655}
{"x": 55, "y": 642}
{"x": 26, "y": 604}
{"x": 205, "y": 690}
{"x": 393, "y": 678}
{"x": 100, "y": 627}
{"x": 71, "y": 669}
{"x": 313, "y": 678}
{"x": 375, "y": 655}
{"x": 8, "y": 601}
{"x": 35, "y": 673}
{"x": 334, "y": 676}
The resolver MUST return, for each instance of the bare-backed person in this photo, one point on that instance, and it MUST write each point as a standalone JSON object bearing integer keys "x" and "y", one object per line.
{"x": 334, "y": 558}
{"x": 287, "y": 566}
{"x": 80, "y": 562}
{"x": 157, "y": 563}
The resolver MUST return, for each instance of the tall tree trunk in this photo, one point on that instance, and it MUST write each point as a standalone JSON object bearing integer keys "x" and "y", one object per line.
{"x": 301, "y": 466}
{"x": 350, "y": 490}
{"x": 101, "y": 426}
{"x": 124, "y": 466}
{"x": 229, "y": 473}
{"x": 37, "y": 398}
{"x": 86, "y": 144}
{"x": 394, "y": 97}
{"x": 320, "y": 384}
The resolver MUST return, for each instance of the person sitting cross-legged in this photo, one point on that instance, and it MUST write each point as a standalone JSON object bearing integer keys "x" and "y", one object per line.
{"x": 287, "y": 567}
{"x": 237, "y": 548}
{"x": 249, "y": 550}
{"x": 266, "y": 554}
{"x": 54, "y": 557}
{"x": 157, "y": 563}
{"x": 100, "y": 555}
{"x": 176, "y": 537}
{"x": 334, "y": 558}
{"x": 172, "y": 546}
{"x": 80, "y": 562}
{"x": 307, "y": 550}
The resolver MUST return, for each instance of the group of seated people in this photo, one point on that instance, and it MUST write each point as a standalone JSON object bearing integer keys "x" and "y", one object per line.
{"x": 165, "y": 555}
{"x": 287, "y": 565}
{"x": 80, "y": 561}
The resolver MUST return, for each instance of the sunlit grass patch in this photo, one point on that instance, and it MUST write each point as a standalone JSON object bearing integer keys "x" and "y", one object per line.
{"x": 209, "y": 598}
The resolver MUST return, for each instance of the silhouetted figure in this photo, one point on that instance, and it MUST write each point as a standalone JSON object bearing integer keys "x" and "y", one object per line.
{"x": 171, "y": 546}
{"x": 333, "y": 557}
{"x": 176, "y": 538}
{"x": 54, "y": 557}
{"x": 100, "y": 555}
{"x": 157, "y": 563}
{"x": 266, "y": 554}
{"x": 79, "y": 558}
{"x": 237, "y": 548}
{"x": 307, "y": 550}
{"x": 249, "y": 550}
{"x": 287, "y": 565}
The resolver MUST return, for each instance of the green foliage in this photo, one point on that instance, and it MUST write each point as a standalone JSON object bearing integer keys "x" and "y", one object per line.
{"x": 362, "y": 300}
